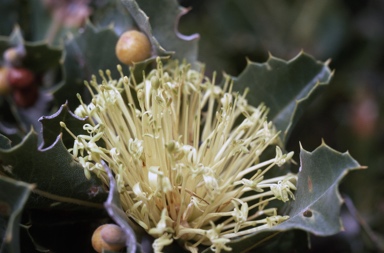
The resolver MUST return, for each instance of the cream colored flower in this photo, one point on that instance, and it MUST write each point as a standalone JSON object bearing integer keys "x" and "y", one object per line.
{"x": 186, "y": 154}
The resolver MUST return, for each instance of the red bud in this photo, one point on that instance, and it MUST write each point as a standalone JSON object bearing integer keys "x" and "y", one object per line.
{"x": 20, "y": 77}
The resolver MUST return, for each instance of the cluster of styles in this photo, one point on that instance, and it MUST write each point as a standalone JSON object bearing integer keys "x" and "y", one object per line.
{"x": 186, "y": 155}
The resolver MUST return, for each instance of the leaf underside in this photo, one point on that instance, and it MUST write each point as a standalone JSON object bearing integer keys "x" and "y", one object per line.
{"x": 317, "y": 205}
{"x": 159, "y": 21}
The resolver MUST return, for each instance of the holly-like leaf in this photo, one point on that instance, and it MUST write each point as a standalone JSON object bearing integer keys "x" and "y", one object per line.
{"x": 39, "y": 56}
{"x": 159, "y": 20}
{"x": 286, "y": 87}
{"x": 15, "y": 39}
{"x": 8, "y": 13}
{"x": 13, "y": 196}
{"x": 317, "y": 205}
{"x": 51, "y": 126}
{"x": 112, "y": 13}
{"x": 85, "y": 54}
{"x": 59, "y": 179}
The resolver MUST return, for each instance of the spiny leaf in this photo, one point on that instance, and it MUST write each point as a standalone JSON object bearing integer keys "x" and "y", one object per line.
{"x": 159, "y": 20}
{"x": 317, "y": 205}
{"x": 39, "y": 57}
{"x": 8, "y": 13}
{"x": 13, "y": 196}
{"x": 51, "y": 126}
{"x": 15, "y": 39}
{"x": 112, "y": 13}
{"x": 285, "y": 87}
{"x": 58, "y": 177}
{"x": 85, "y": 54}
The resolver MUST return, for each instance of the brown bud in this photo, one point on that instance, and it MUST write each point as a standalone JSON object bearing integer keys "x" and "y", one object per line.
{"x": 109, "y": 237}
{"x": 4, "y": 84}
{"x": 133, "y": 46}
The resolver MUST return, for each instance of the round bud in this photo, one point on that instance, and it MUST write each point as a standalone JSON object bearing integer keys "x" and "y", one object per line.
{"x": 108, "y": 237}
{"x": 4, "y": 84}
{"x": 20, "y": 77}
{"x": 133, "y": 46}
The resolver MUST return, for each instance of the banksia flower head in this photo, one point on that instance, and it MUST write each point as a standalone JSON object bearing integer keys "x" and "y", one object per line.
{"x": 186, "y": 155}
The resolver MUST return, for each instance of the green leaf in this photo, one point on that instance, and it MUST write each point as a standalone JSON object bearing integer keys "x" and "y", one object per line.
{"x": 112, "y": 13}
{"x": 85, "y": 54}
{"x": 286, "y": 87}
{"x": 51, "y": 126}
{"x": 60, "y": 180}
{"x": 15, "y": 39}
{"x": 159, "y": 20}
{"x": 317, "y": 205}
{"x": 13, "y": 196}
{"x": 9, "y": 15}
{"x": 39, "y": 57}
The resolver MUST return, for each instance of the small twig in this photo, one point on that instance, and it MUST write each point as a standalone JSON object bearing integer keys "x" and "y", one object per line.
{"x": 67, "y": 200}
{"x": 366, "y": 228}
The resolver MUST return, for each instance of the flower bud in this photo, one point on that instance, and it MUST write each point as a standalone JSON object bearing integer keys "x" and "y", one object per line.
{"x": 108, "y": 237}
{"x": 4, "y": 84}
{"x": 20, "y": 77}
{"x": 133, "y": 46}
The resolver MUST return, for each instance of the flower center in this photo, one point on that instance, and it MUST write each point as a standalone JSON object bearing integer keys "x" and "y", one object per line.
{"x": 186, "y": 154}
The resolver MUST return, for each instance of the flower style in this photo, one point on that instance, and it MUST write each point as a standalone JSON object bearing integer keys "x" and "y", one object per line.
{"x": 186, "y": 155}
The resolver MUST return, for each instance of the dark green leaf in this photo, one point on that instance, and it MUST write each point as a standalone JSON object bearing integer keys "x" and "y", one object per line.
{"x": 51, "y": 126}
{"x": 285, "y": 87}
{"x": 9, "y": 15}
{"x": 317, "y": 205}
{"x": 112, "y": 13}
{"x": 60, "y": 180}
{"x": 85, "y": 54}
{"x": 15, "y": 39}
{"x": 39, "y": 57}
{"x": 5, "y": 143}
{"x": 41, "y": 22}
{"x": 159, "y": 20}
{"x": 13, "y": 196}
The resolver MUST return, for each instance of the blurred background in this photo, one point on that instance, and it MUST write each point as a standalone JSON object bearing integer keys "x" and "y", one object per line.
{"x": 348, "y": 116}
